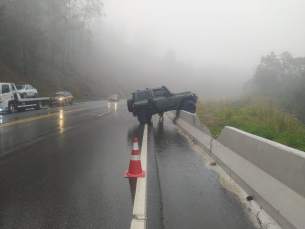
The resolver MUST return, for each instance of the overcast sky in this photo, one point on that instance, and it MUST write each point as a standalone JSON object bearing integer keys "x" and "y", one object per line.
{"x": 203, "y": 32}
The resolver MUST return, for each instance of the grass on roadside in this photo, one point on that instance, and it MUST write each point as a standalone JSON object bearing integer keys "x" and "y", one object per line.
{"x": 256, "y": 115}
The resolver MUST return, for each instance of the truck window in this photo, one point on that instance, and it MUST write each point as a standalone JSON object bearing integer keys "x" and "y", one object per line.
{"x": 159, "y": 93}
{"x": 5, "y": 89}
{"x": 143, "y": 95}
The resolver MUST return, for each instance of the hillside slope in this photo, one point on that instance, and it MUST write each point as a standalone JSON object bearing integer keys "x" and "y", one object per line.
{"x": 82, "y": 84}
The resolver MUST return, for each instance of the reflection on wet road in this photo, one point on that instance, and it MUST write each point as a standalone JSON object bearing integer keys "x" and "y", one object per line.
{"x": 71, "y": 175}
{"x": 67, "y": 171}
{"x": 192, "y": 196}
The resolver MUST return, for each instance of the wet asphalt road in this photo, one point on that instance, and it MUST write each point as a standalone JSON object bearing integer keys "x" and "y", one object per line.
{"x": 66, "y": 170}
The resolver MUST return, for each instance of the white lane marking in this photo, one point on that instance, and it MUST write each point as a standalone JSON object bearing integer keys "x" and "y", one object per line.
{"x": 137, "y": 224}
{"x": 103, "y": 113}
{"x": 139, "y": 207}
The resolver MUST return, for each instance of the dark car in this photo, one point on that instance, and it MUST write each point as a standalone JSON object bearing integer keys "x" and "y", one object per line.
{"x": 61, "y": 98}
{"x": 145, "y": 103}
{"x": 114, "y": 98}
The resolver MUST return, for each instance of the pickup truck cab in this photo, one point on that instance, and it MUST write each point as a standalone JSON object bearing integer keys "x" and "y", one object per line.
{"x": 145, "y": 103}
{"x": 11, "y": 101}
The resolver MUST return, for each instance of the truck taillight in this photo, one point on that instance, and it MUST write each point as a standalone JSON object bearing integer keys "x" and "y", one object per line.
{"x": 132, "y": 105}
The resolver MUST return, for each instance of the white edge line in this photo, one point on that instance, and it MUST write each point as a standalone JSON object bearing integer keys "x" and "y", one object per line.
{"x": 139, "y": 207}
{"x": 103, "y": 113}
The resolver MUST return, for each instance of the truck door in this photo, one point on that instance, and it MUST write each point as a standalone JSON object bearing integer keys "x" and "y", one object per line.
{"x": 32, "y": 91}
{"x": 28, "y": 90}
{"x": 14, "y": 91}
{"x": 7, "y": 94}
{"x": 162, "y": 99}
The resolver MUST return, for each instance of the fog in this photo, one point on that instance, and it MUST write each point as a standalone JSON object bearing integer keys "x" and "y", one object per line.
{"x": 99, "y": 47}
{"x": 232, "y": 32}
{"x": 209, "y": 47}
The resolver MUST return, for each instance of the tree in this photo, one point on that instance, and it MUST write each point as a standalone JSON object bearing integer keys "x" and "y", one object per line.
{"x": 90, "y": 9}
{"x": 2, "y": 10}
{"x": 268, "y": 72}
{"x": 34, "y": 32}
{"x": 283, "y": 77}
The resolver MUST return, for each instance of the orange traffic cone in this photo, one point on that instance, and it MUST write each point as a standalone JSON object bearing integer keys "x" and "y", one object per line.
{"x": 135, "y": 167}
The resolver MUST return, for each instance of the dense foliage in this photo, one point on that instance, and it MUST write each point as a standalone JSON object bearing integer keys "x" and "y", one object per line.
{"x": 283, "y": 77}
{"x": 42, "y": 42}
{"x": 52, "y": 30}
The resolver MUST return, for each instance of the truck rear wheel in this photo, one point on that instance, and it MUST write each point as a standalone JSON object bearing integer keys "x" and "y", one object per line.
{"x": 11, "y": 108}
{"x": 144, "y": 116}
{"x": 189, "y": 106}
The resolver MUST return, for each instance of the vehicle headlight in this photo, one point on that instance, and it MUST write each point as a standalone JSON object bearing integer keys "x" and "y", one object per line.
{"x": 60, "y": 98}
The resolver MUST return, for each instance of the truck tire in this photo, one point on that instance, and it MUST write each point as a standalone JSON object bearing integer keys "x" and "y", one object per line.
{"x": 189, "y": 106}
{"x": 144, "y": 116}
{"x": 25, "y": 95}
{"x": 35, "y": 95}
{"x": 71, "y": 102}
{"x": 11, "y": 108}
{"x": 38, "y": 105}
{"x": 129, "y": 105}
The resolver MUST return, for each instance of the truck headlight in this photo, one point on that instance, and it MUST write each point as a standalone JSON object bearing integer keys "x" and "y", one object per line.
{"x": 60, "y": 98}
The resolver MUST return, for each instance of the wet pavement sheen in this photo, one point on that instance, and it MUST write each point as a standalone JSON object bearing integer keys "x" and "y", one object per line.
{"x": 74, "y": 176}
{"x": 67, "y": 171}
{"x": 192, "y": 196}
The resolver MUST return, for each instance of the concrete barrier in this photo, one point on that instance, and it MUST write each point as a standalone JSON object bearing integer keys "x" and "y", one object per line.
{"x": 191, "y": 124}
{"x": 273, "y": 173}
{"x": 285, "y": 164}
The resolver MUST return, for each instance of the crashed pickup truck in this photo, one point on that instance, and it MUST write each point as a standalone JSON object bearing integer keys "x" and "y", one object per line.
{"x": 145, "y": 103}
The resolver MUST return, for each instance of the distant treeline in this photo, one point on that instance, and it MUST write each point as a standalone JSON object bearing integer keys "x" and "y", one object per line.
{"x": 281, "y": 77}
{"x": 33, "y": 32}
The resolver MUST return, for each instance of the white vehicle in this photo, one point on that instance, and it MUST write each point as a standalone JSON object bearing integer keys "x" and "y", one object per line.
{"x": 11, "y": 101}
{"x": 27, "y": 91}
